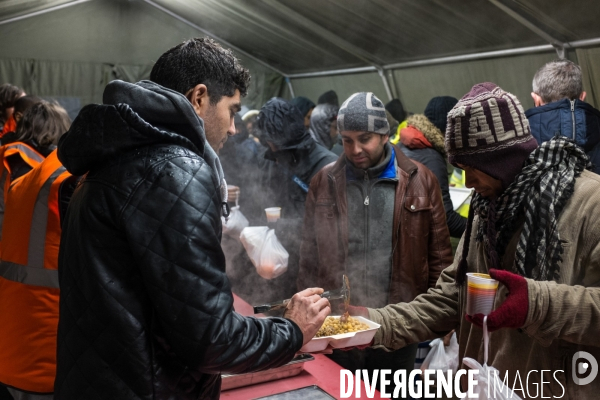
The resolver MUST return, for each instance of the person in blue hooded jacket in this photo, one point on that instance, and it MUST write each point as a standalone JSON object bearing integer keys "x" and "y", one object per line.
{"x": 560, "y": 108}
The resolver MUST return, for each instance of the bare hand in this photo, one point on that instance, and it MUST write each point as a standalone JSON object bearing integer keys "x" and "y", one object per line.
{"x": 308, "y": 310}
{"x": 233, "y": 193}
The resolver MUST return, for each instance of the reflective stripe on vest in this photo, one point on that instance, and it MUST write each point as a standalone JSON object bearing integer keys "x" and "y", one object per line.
{"x": 32, "y": 221}
{"x": 34, "y": 272}
{"x": 29, "y": 275}
{"x": 29, "y": 294}
{"x": 28, "y": 154}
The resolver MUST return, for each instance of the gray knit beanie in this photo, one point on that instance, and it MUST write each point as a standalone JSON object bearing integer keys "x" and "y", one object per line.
{"x": 363, "y": 112}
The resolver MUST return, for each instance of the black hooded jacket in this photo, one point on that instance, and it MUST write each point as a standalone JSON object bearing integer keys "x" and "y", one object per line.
{"x": 297, "y": 155}
{"x": 299, "y": 158}
{"x": 239, "y": 158}
{"x": 146, "y": 310}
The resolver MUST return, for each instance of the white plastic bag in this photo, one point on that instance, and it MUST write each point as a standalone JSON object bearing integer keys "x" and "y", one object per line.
{"x": 253, "y": 238}
{"x": 489, "y": 382}
{"x": 273, "y": 257}
{"x": 265, "y": 251}
{"x": 236, "y": 222}
{"x": 442, "y": 357}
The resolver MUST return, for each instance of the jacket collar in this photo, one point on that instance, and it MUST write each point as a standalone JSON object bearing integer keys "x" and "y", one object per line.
{"x": 562, "y": 104}
{"x": 384, "y": 169}
{"x": 405, "y": 165}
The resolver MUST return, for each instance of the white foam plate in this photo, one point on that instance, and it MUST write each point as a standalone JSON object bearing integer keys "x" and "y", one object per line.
{"x": 340, "y": 341}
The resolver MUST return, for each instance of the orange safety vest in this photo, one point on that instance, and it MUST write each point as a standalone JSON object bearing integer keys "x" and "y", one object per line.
{"x": 28, "y": 154}
{"x": 9, "y": 126}
{"x": 29, "y": 289}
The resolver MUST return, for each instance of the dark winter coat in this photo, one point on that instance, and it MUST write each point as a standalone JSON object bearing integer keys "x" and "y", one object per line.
{"x": 146, "y": 311}
{"x": 299, "y": 159}
{"x": 433, "y": 156}
{"x": 320, "y": 124}
{"x": 240, "y": 160}
{"x": 571, "y": 118}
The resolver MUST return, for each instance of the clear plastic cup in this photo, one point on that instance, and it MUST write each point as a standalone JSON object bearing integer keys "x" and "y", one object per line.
{"x": 273, "y": 214}
{"x": 481, "y": 292}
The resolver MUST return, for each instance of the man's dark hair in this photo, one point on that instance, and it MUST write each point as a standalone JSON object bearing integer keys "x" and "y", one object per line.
{"x": 43, "y": 124}
{"x": 201, "y": 60}
{"x": 8, "y": 95}
{"x": 329, "y": 97}
{"x": 25, "y": 102}
{"x": 396, "y": 108}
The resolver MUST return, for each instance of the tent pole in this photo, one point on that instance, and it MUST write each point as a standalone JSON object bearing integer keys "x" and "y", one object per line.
{"x": 584, "y": 43}
{"x": 557, "y": 44}
{"x": 440, "y": 60}
{"x": 385, "y": 83}
{"x": 40, "y": 12}
{"x": 222, "y": 41}
{"x": 289, "y": 83}
{"x": 471, "y": 57}
{"x": 392, "y": 80}
{"x": 333, "y": 72}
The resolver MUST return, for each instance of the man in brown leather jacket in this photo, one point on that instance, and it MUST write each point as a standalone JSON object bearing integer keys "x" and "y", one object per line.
{"x": 377, "y": 217}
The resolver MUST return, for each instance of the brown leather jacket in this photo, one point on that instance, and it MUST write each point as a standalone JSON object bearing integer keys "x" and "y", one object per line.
{"x": 421, "y": 242}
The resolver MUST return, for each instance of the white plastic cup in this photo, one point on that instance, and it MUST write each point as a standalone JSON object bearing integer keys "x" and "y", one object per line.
{"x": 273, "y": 214}
{"x": 235, "y": 196}
{"x": 481, "y": 293}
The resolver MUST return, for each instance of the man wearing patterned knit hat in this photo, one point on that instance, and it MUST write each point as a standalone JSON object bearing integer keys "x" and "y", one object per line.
{"x": 377, "y": 217}
{"x": 534, "y": 226}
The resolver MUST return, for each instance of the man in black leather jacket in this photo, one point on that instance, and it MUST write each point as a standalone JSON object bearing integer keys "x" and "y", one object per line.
{"x": 146, "y": 310}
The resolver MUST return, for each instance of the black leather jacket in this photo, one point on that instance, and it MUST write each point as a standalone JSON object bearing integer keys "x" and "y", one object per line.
{"x": 146, "y": 310}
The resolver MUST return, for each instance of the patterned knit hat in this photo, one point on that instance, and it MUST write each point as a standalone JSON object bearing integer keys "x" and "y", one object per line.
{"x": 487, "y": 130}
{"x": 363, "y": 112}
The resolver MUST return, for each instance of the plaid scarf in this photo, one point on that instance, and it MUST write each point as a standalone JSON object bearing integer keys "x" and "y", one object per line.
{"x": 537, "y": 196}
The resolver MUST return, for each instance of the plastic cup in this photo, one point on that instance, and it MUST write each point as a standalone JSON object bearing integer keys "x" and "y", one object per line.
{"x": 233, "y": 194}
{"x": 481, "y": 292}
{"x": 273, "y": 214}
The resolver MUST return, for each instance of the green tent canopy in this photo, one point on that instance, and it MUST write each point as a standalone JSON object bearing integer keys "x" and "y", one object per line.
{"x": 410, "y": 49}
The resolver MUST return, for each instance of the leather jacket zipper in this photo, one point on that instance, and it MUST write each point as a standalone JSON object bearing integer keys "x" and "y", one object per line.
{"x": 367, "y": 180}
{"x": 366, "y": 247}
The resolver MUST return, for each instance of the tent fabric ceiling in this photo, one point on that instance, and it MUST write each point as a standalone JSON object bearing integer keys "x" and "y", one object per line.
{"x": 81, "y": 48}
{"x": 315, "y": 35}
{"x": 14, "y": 8}
{"x": 83, "y": 44}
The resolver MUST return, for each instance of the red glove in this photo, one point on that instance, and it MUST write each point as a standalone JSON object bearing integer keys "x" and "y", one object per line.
{"x": 513, "y": 312}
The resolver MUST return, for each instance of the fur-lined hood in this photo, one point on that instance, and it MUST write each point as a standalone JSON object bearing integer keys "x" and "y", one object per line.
{"x": 429, "y": 130}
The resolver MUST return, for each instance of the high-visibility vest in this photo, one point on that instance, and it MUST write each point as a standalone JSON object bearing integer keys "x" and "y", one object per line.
{"x": 27, "y": 154}
{"x": 29, "y": 289}
{"x": 9, "y": 126}
{"x": 395, "y": 138}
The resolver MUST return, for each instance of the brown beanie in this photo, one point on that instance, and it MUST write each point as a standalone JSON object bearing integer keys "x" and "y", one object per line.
{"x": 488, "y": 130}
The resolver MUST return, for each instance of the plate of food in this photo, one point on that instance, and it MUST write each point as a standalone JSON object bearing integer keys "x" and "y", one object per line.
{"x": 342, "y": 332}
